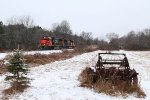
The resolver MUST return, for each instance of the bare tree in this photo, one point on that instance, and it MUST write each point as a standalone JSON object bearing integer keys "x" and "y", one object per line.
{"x": 63, "y": 27}
{"x": 87, "y": 36}
{"x": 56, "y": 28}
{"x": 12, "y": 21}
{"x": 111, "y": 36}
{"x": 113, "y": 41}
{"x": 25, "y": 20}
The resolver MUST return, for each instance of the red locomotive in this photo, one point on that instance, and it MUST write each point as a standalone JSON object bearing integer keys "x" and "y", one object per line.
{"x": 50, "y": 43}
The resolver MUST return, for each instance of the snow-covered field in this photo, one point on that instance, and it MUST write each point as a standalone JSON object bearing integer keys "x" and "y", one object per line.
{"x": 59, "y": 80}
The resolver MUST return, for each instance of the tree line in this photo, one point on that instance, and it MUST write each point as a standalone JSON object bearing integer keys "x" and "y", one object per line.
{"x": 134, "y": 40}
{"x": 23, "y": 32}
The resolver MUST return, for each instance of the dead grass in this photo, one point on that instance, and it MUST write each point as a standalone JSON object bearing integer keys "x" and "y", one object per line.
{"x": 85, "y": 78}
{"x": 2, "y": 67}
{"x": 41, "y": 59}
{"x": 13, "y": 89}
{"x": 109, "y": 87}
{"x": 120, "y": 88}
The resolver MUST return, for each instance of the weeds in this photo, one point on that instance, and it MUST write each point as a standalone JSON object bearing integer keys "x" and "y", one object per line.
{"x": 41, "y": 59}
{"x": 2, "y": 67}
{"x": 13, "y": 89}
{"x": 109, "y": 87}
{"x": 38, "y": 59}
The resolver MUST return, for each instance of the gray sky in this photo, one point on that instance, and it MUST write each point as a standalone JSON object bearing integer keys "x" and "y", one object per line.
{"x": 97, "y": 16}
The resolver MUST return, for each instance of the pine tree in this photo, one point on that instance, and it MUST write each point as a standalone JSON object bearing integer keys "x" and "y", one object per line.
{"x": 18, "y": 69}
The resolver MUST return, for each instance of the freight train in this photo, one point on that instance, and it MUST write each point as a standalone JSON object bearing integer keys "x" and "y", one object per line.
{"x": 50, "y": 43}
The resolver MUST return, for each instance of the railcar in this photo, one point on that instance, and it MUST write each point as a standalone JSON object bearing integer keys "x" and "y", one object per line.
{"x": 50, "y": 43}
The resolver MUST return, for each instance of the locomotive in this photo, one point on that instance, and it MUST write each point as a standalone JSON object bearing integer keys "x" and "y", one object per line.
{"x": 50, "y": 43}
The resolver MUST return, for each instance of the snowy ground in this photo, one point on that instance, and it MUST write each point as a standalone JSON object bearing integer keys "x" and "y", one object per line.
{"x": 2, "y": 55}
{"x": 59, "y": 80}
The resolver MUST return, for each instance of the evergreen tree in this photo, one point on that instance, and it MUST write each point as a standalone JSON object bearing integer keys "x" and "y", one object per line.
{"x": 18, "y": 69}
{"x": 1, "y": 35}
{"x": 1, "y": 27}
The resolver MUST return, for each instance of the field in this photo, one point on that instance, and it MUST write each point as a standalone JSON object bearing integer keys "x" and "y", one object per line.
{"x": 59, "y": 80}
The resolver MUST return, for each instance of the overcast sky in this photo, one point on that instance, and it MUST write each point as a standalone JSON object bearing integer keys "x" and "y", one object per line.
{"x": 97, "y": 16}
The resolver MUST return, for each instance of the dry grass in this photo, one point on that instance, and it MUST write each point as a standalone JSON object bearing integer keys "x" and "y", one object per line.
{"x": 119, "y": 88}
{"x": 15, "y": 88}
{"x": 85, "y": 78}
{"x": 41, "y": 59}
{"x": 2, "y": 67}
{"x": 109, "y": 87}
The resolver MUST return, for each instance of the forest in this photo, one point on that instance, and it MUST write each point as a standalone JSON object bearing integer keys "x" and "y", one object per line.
{"x": 23, "y": 32}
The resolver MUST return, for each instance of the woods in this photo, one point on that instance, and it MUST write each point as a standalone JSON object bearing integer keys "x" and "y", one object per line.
{"x": 23, "y": 32}
{"x": 137, "y": 40}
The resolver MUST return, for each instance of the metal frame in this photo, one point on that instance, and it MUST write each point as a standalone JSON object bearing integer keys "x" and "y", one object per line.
{"x": 123, "y": 72}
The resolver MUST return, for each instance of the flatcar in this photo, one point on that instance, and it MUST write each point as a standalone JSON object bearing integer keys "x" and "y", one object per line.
{"x": 50, "y": 43}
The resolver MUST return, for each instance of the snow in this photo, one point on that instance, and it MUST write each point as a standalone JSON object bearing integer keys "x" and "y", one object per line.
{"x": 43, "y": 52}
{"x": 2, "y": 55}
{"x": 59, "y": 80}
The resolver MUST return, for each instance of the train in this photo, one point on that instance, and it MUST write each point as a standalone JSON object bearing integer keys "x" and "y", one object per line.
{"x": 51, "y": 43}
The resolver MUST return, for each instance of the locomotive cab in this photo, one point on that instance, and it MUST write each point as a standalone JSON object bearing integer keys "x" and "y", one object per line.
{"x": 45, "y": 42}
